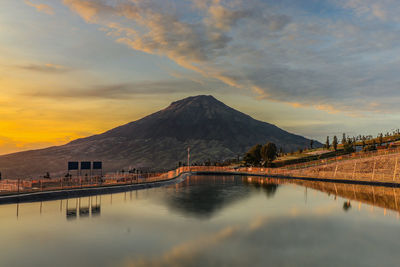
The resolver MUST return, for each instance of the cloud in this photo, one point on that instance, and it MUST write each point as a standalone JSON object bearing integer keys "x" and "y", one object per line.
{"x": 90, "y": 11}
{"x": 41, "y": 7}
{"x": 381, "y": 10}
{"x": 290, "y": 55}
{"x": 186, "y": 253}
{"x": 224, "y": 18}
{"x": 46, "y": 68}
{"x": 123, "y": 90}
{"x": 378, "y": 12}
{"x": 11, "y": 145}
{"x": 183, "y": 254}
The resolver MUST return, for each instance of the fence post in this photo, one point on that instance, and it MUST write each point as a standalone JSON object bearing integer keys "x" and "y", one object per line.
{"x": 18, "y": 186}
{"x": 373, "y": 171}
{"x": 354, "y": 170}
{"x": 334, "y": 175}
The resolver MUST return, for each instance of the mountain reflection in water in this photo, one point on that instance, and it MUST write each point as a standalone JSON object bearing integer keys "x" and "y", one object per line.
{"x": 380, "y": 196}
{"x": 209, "y": 221}
{"x": 204, "y": 196}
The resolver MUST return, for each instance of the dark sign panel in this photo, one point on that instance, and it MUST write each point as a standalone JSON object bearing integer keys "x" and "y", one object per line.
{"x": 73, "y": 165}
{"x": 97, "y": 165}
{"x": 86, "y": 165}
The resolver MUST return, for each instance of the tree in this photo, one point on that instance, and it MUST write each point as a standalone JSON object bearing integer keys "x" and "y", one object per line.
{"x": 380, "y": 139}
{"x": 369, "y": 148}
{"x": 344, "y": 140}
{"x": 253, "y": 156}
{"x": 348, "y": 146}
{"x": 346, "y": 205}
{"x": 311, "y": 143}
{"x": 327, "y": 145}
{"x": 335, "y": 143}
{"x": 269, "y": 152}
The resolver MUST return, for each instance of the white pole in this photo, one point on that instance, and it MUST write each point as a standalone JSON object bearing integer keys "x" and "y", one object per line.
{"x": 188, "y": 157}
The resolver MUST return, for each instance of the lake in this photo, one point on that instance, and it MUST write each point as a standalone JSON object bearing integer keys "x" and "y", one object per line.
{"x": 208, "y": 221}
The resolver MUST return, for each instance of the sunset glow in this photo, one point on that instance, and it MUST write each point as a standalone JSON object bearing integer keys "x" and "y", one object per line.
{"x": 74, "y": 68}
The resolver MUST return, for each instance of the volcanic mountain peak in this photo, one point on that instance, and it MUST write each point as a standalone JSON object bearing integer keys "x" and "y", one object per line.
{"x": 213, "y": 130}
{"x": 198, "y": 106}
{"x": 195, "y": 101}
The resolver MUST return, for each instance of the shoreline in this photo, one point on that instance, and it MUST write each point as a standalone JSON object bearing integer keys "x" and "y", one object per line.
{"x": 86, "y": 192}
{"x": 103, "y": 190}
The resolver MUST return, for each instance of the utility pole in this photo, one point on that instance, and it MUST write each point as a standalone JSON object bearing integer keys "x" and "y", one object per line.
{"x": 188, "y": 157}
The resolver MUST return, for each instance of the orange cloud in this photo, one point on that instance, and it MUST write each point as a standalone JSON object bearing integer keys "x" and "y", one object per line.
{"x": 196, "y": 47}
{"x": 88, "y": 10}
{"x": 182, "y": 254}
{"x": 41, "y": 7}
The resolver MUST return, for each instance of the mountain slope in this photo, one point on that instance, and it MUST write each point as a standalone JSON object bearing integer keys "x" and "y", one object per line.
{"x": 212, "y": 130}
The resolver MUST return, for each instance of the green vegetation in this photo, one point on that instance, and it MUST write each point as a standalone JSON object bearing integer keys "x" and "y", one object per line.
{"x": 348, "y": 145}
{"x": 253, "y": 156}
{"x": 260, "y": 155}
{"x": 335, "y": 143}
{"x": 267, "y": 155}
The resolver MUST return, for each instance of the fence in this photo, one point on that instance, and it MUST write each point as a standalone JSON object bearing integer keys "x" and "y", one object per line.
{"x": 383, "y": 166}
{"x": 380, "y": 166}
{"x": 18, "y": 186}
{"x": 357, "y": 155}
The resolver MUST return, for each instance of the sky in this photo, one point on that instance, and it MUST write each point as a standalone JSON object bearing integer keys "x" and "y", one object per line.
{"x": 73, "y": 68}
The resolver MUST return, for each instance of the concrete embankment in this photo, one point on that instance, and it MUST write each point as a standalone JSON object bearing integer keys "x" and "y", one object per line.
{"x": 382, "y": 170}
{"x": 84, "y": 192}
{"x": 315, "y": 179}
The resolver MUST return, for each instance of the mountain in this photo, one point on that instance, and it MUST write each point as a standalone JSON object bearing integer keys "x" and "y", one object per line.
{"x": 159, "y": 141}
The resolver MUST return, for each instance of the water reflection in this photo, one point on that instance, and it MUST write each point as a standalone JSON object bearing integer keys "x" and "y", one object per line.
{"x": 205, "y": 196}
{"x": 74, "y": 208}
{"x": 379, "y": 196}
{"x": 85, "y": 207}
{"x": 269, "y": 188}
{"x": 208, "y": 221}
{"x": 346, "y": 205}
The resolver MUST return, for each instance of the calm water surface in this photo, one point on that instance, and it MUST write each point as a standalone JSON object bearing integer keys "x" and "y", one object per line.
{"x": 205, "y": 221}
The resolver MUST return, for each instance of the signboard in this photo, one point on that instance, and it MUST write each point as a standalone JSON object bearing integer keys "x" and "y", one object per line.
{"x": 97, "y": 165}
{"x": 86, "y": 165}
{"x": 73, "y": 165}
